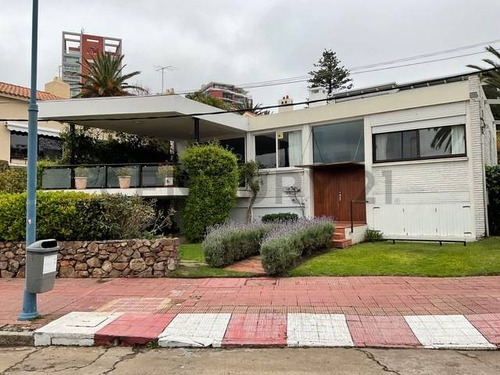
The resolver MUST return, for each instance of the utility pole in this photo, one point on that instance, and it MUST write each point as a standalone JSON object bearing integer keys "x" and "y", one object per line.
{"x": 162, "y": 69}
{"x": 29, "y": 299}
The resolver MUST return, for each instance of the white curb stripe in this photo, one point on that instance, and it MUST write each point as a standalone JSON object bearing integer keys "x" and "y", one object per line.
{"x": 195, "y": 330}
{"x": 318, "y": 330}
{"x": 75, "y": 328}
{"x": 447, "y": 331}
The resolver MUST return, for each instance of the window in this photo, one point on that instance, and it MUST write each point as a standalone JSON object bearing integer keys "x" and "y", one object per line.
{"x": 340, "y": 142}
{"x": 282, "y": 149}
{"x": 48, "y": 147}
{"x": 236, "y": 146}
{"x": 444, "y": 141}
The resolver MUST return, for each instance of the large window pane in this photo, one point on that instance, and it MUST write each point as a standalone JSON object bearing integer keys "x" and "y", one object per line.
{"x": 410, "y": 144}
{"x": 265, "y": 150}
{"x": 236, "y": 146}
{"x": 289, "y": 149}
{"x": 435, "y": 141}
{"x": 388, "y": 146}
{"x": 339, "y": 142}
{"x": 18, "y": 145}
{"x": 49, "y": 148}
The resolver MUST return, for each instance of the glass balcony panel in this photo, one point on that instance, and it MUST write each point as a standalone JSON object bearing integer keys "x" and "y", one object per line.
{"x": 56, "y": 178}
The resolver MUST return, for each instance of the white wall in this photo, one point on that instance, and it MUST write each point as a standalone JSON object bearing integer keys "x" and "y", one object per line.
{"x": 425, "y": 198}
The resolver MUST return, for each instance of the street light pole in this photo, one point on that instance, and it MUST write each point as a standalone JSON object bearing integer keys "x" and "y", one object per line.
{"x": 29, "y": 299}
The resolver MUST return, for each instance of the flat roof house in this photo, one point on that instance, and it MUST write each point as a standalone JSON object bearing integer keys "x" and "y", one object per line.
{"x": 407, "y": 160}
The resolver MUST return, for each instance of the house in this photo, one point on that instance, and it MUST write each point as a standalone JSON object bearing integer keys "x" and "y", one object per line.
{"x": 230, "y": 94}
{"x": 14, "y": 101}
{"x": 407, "y": 160}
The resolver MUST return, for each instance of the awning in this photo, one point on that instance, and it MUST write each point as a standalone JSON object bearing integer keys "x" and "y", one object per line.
{"x": 22, "y": 127}
{"x": 330, "y": 165}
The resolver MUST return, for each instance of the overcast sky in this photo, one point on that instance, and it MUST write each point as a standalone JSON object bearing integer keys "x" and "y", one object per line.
{"x": 238, "y": 41}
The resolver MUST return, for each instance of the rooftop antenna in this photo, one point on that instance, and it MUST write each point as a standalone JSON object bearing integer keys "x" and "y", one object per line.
{"x": 162, "y": 69}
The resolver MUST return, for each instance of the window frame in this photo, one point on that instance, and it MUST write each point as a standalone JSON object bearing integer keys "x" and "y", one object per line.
{"x": 287, "y": 130}
{"x": 419, "y": 157}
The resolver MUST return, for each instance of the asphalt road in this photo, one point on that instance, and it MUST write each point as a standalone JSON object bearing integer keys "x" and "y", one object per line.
{"x": 98, "y": 360}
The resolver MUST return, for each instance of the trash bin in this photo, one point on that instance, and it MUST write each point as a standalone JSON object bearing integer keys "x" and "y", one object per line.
{"x": 41, "y": 266}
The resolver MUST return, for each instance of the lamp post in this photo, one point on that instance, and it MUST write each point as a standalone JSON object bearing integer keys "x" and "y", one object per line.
{"x": 29, "y": 299}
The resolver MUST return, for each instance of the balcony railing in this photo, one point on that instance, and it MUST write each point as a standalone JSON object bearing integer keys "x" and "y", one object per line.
{"x": 104, "y": 176}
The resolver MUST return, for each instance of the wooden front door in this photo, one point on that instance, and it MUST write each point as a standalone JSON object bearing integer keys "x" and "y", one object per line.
{"x": 334, "y": 189}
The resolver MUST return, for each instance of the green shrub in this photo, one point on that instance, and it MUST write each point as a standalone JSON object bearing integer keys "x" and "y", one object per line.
{"x": 213, "y": 182}
{"x": 287, "y": 242}
{"x": 373, "y": 235}
{"x": 280, "y": 217}
{"x": 13, "y": 179}
{"x": 493, "y": 185}
{"x": 229, "y": 243}
{"x": 77, "y": 216}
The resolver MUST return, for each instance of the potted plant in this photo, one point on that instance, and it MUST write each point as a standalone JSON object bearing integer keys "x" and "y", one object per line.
{"x": 81, "y": 174}
{"x": 167, "y": 173}
{"x": 124, "y": 176}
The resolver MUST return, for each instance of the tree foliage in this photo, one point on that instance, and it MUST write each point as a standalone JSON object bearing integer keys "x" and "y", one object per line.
{"x": 249, "y": 173}
{"x": 213, "y": 182}
{"x": 209, "y": 100}
{"x": 91, "y": 146}
{"x": 491, "y": 77}
{"x": 493, "y": 185}
{"x": 330, "y": 73}
{"x": 255, "y": 109}
{"x": 105, "y": 77}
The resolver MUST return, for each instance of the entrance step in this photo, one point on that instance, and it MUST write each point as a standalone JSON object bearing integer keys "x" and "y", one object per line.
{"x": 341, "y": 244}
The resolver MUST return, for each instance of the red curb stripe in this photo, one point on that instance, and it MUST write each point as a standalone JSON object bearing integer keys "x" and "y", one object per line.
{"x": 256, "y": 330}
{"x": 133, "y": 329}
{"x": 488, "y": 325}
{"x": 381, "y": 331}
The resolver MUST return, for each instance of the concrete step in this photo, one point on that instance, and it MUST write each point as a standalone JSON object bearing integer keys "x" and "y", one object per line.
{"x": 341, "y": 244}
{"x": 339, "y": 236}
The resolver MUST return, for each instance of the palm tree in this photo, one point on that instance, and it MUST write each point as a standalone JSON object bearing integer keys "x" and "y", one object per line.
{"x": 256, "y": 109}
{"x": 105, "y": 77}
{"x": 492, "y": 76}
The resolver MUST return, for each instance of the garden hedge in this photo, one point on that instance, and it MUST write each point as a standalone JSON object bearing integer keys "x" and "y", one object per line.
{"x": 213, "y": 183}
{"x": 69, "y": 216}
{"x": 229, "y": 243}
{"x": 288, "y": 242}
{"x": 280, "y": 217}
{"x": 493, "y": 185}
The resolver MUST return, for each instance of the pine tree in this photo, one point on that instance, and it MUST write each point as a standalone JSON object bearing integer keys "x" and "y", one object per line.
{"x": 331, "y": 74}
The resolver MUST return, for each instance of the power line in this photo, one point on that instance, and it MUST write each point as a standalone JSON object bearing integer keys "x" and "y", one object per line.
{"x": 354, "y": 70}
{"x": 199, "y": 114}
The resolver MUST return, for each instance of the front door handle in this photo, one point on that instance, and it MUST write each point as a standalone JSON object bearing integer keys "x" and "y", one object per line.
{"x": 340, "y": 196}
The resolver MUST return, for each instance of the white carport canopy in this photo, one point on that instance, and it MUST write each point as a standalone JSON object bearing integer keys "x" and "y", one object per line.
{"x": 161, "y": 116}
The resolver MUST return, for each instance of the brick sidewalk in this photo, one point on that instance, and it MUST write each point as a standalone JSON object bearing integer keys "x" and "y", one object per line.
{"x": 359, "y": 296}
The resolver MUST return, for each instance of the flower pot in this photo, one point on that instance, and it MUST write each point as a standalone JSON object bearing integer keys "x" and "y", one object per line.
{"x": 124, "y": 182}
{"x": 169, "y": 181}
{"x": 81, "y": 183}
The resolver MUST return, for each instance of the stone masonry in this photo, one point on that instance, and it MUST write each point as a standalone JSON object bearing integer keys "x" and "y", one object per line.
{"x": 100, "y": 259}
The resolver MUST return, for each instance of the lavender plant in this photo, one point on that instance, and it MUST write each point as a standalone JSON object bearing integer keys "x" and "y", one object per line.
{"x": 288, "y": 241}
{"x": 227, "y": 243}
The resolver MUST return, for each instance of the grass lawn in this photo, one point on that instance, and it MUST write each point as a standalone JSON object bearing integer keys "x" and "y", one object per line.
{"x": 407, "y": 259}
{"x": 194, "y": 253}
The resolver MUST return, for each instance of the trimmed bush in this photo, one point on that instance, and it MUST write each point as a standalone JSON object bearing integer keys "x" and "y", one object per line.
{"x": 373, "y": 235}
{"x": 77, "y": 216}
{"x": 493, "y": 185}
{"x": 229, "y": 243}
{"x": 213, "y": 182}
{"x": 280, "y": 217}
{"x": 287, "y": 243}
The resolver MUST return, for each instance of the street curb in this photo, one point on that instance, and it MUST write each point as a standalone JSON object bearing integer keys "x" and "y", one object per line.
{"x": 9, "y": 338}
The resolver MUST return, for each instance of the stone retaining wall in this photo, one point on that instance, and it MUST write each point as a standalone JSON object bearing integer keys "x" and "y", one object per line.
{"x": 123, "y": 258}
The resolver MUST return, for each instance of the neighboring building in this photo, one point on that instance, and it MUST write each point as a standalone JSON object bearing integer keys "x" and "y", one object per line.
{"x": 407, "y": 160}
{"x": 230, "y": 94}
{"x": 79, "y": 47}
{"x": 14, "y": 101}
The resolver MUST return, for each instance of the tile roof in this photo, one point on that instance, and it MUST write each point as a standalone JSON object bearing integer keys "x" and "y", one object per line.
{"x": 24, "y": 92}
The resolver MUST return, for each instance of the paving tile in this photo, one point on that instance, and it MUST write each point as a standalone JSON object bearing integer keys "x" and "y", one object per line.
{"x": 447, "y": 331}
{"x": 195, "y": 330}
{"x": 488, "y": 325}
{"x": 381, "y": 331}
{"x": 133, "y": 329}
{"x": 318, "y": 330}
{"x": 262, "y": 329}
{"x": 75, "y": 328}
